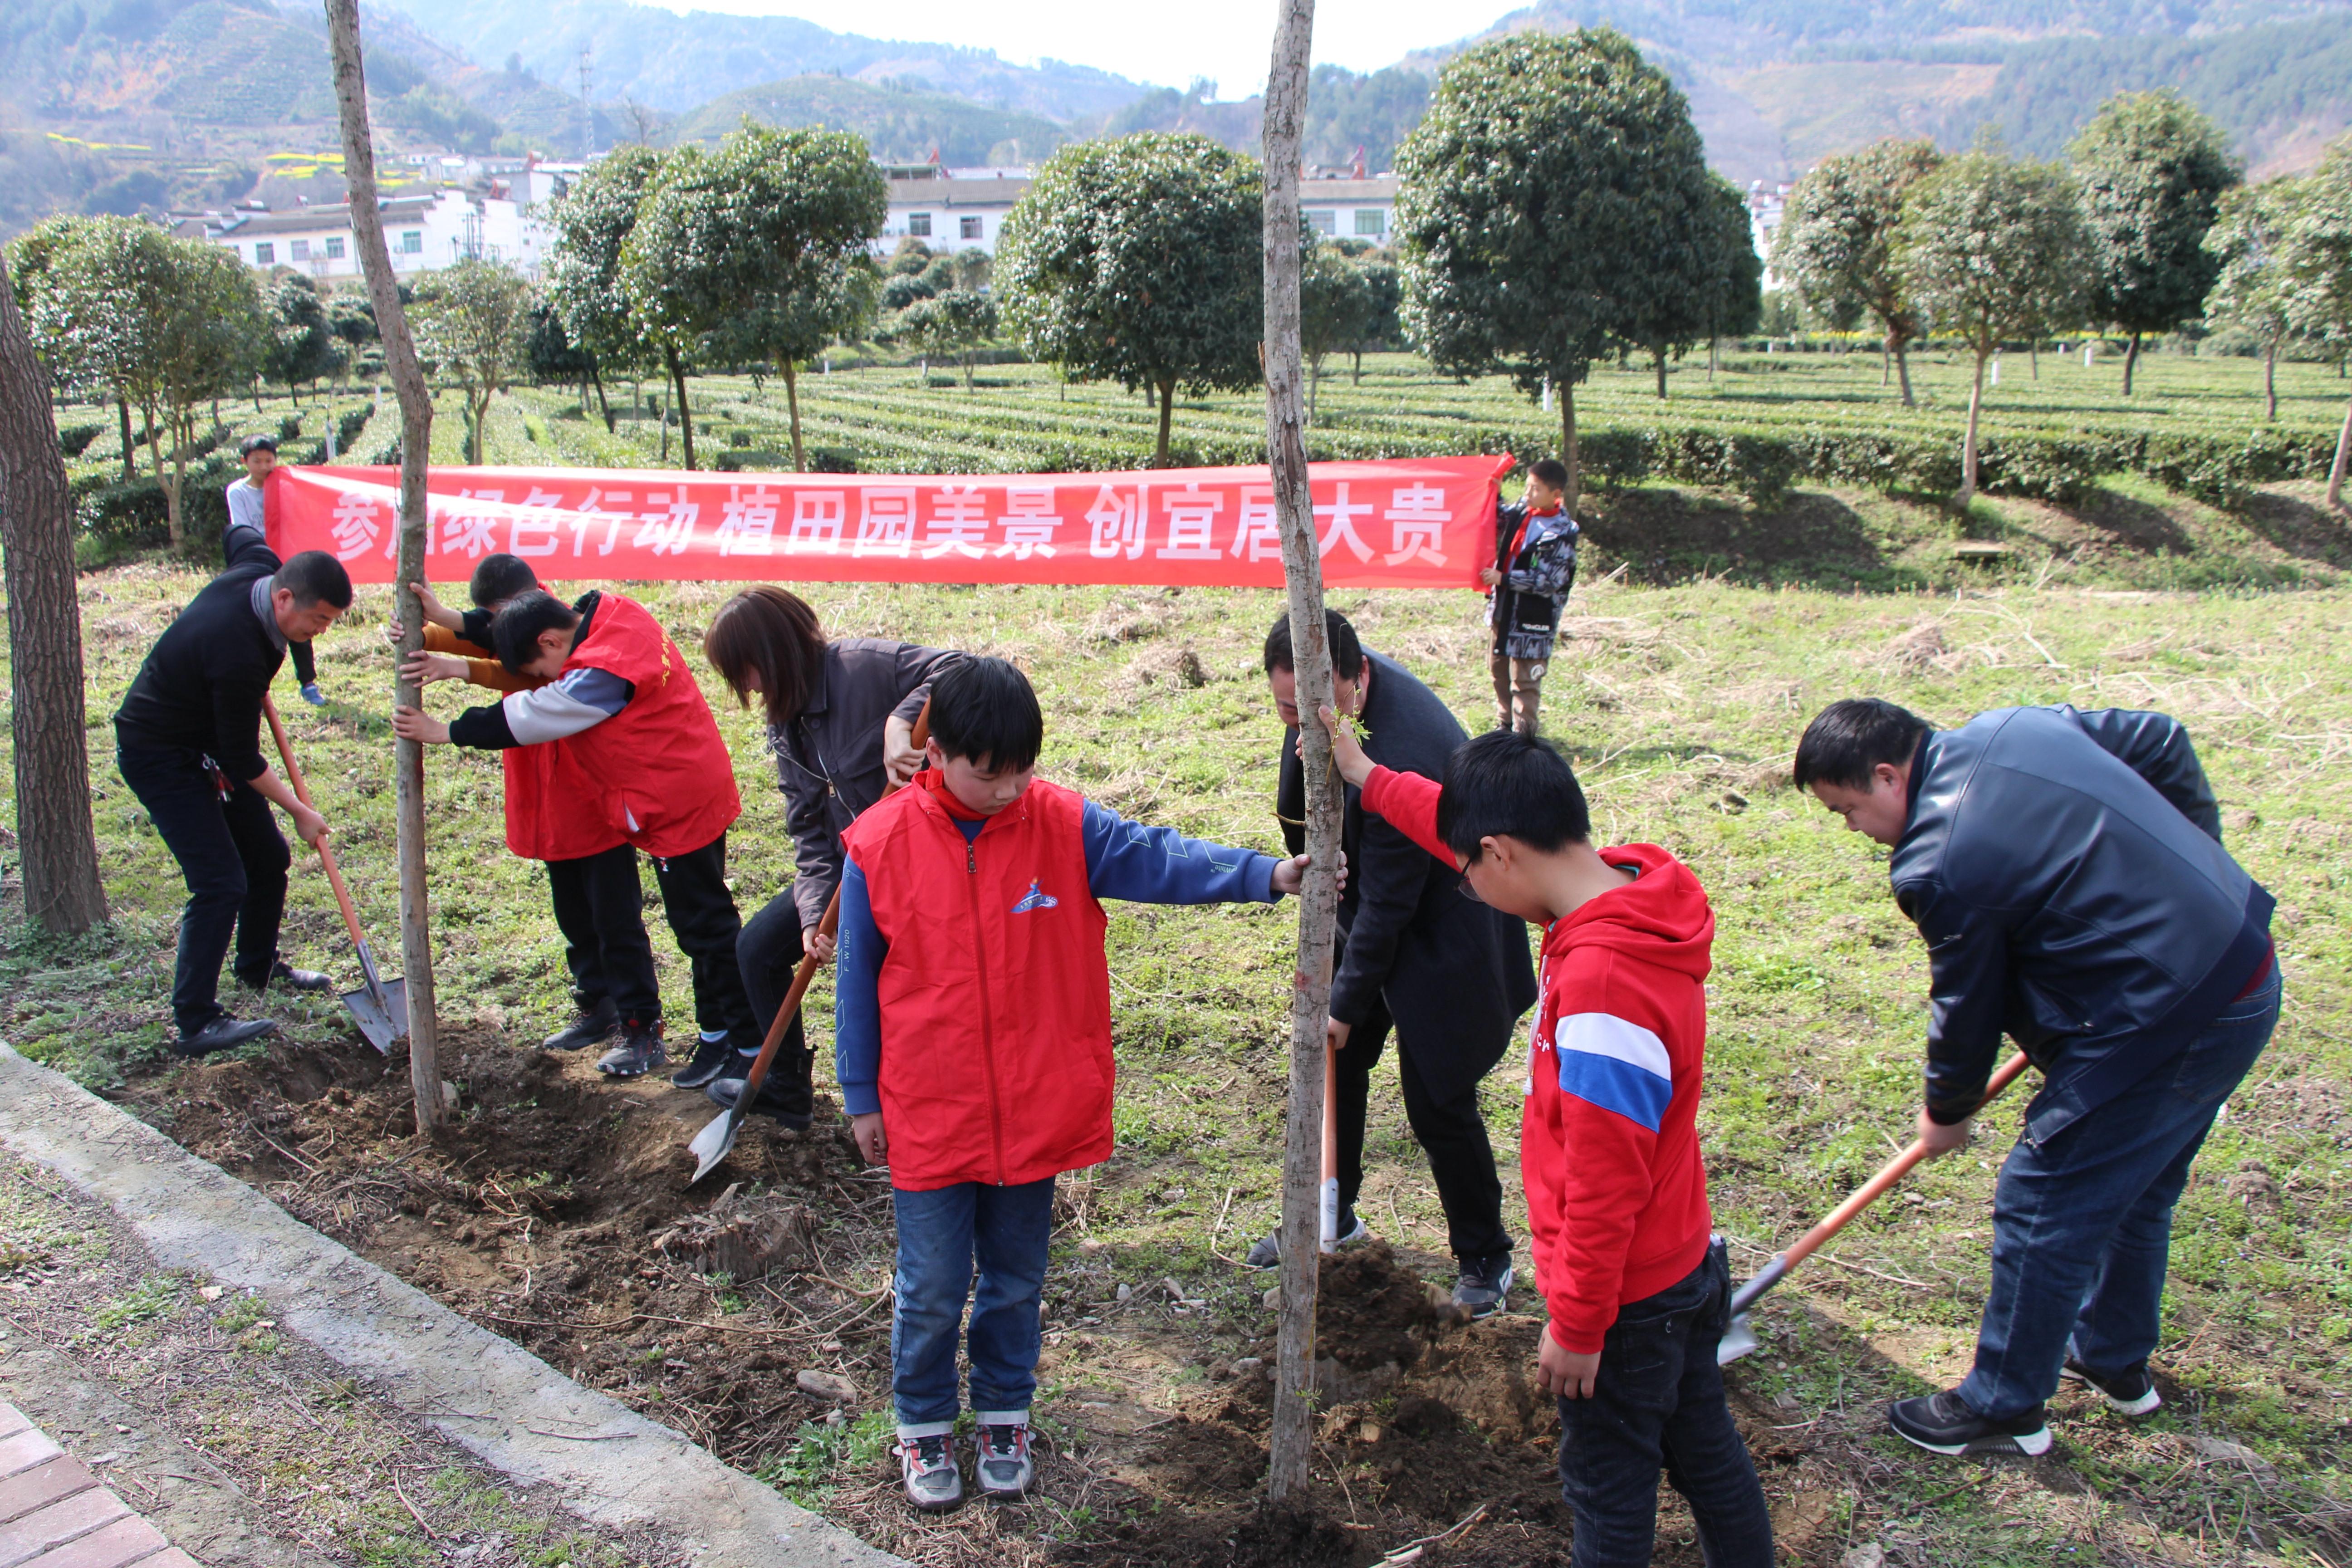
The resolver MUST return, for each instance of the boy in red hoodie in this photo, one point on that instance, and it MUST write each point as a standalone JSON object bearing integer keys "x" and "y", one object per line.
{"x": 1608, "y": 1142}
{"x": 972, "y": 1042}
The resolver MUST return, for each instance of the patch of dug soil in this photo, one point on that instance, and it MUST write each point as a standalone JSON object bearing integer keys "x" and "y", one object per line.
{"x": 556, "y": 1210}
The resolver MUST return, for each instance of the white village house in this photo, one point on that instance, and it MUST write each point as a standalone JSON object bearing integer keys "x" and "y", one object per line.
{"x": 424, "y": 233}
{"x": 962, "y": 209}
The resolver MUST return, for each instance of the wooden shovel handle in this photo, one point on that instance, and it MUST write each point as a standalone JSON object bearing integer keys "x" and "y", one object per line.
{"x": 1894, "y": 1172}
{"x": 792, "y": 1005}
{"x": 302, "y": 792}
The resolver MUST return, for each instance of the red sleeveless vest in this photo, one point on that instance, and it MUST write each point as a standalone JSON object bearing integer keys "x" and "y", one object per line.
{"x": 657, "y": 771}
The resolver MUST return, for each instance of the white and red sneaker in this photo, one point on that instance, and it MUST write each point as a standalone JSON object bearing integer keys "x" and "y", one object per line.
{"x": 1003, "y": 1468}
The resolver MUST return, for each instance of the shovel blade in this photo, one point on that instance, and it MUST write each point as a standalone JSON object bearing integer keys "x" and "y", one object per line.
{"x": 713, "y": 1143}
{"x": 1739, "y": 1340}
{"x": 381, "y": 1016}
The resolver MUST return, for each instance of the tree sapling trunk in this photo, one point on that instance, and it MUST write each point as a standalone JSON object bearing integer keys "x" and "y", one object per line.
{"x": 1662, "y": 375}
{"x": 1568, "y": 449}
{"x": 1968, "y": 447}
{"x": 1167, "y": 392}
{"x": 792, "y": 402}
{"x": 1897, "y": 348}
{"x": 685, "y": 419}
{"x": 2270, "y": 380}
{"x": 2131, "y": 363}
{"x": 129, "y": 445}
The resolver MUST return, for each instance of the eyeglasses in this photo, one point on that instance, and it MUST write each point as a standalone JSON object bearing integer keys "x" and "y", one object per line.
{"x": 1463, "y": 886}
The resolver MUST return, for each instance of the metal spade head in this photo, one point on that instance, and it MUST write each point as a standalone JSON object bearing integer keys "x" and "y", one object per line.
{"x": 382, "y": 1013}
{"x": 712, "y": 1143}
{"x": 1739, "y": 1340}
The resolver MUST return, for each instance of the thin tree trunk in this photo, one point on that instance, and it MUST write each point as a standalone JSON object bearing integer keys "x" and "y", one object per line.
{"x": 596, "y": 374}
{"x": 2270, "y": 379}
{"x": 129, "y": 446}
{"x": 1568, "y": 449}
{"x": 793, "y": 401}
{"x": 2343, "y": 459}
{"x": 1968, "y": 448}
{"x": 1898, "y": 349}
{"x": 685, "y": 419}
{"x": 1713, "y": 354}
{"x": 416, "y": 446}
{"x": 2131, "y": 361}
{"x": 1662, "y": 375}
{"x": 1167, "y": 393}
{"x": 2034, "y": 355}
{"x": 1314, "y": 386}
{"x": 155, "y": 440}
{"x": 56, "y": 849}
{"x": 1302, "y": 567}
{"x": 178, "y": 483}
{"x": 1356, "y": 376}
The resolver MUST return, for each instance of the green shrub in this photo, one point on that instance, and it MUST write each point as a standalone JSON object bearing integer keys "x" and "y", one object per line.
{"x": 73, "y": 440}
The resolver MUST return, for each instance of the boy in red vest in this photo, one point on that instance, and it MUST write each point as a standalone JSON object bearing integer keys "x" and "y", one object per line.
{"x": 634, "y": 761}
{"x": 1608, "y": 1140}
{"x": 972, "y": 1041}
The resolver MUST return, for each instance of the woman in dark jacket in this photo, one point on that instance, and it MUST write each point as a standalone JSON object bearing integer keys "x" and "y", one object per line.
{"x": 841, "y": 718}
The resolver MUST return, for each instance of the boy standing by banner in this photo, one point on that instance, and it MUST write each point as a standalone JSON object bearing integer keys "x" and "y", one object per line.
{"x": 247, "y": 519}
{"x": 1535, "y": 564}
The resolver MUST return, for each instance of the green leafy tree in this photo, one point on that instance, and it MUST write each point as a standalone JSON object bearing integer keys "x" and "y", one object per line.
{"x": 1836, "y": 238}
{"x": 1534, "y": 198}
{"x": 76, "y": 331}
{"x": 2253, "y": 288}
{"x": 1378, "y": 327}
{"x": 1333, "y": 301}
{"x": 756, "y": 244}
{"x": 1706, "y": 278}
{"x": 473, "y": 323}
{"x": 1990, "y": 247}
{"x": 950, "y": 326}
{"x": 1139, "y": 260}
{"x": 2153, "y": 171}
{"x": 2318, "y": 252}
{"x": 592, "y": 222}
{"x": 302, "y": 344}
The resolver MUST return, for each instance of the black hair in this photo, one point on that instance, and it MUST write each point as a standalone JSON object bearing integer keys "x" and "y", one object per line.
{"x": 1505, "y": 784}
{"x": 514, "y": 631}
{"x": 1847, "y": 739}
{"x": 501, "y": 577}
{"x": 984, "y": 710}
{"x": 772, "y": 634}
{"x": 1550, "y": 471}
{"x": 1347, "y": 653}
{"x": 315, "y": 577}
{"x": 252, "y": 443}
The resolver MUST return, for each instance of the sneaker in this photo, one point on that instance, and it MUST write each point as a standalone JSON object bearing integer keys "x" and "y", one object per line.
{"x": 639, "y": 1052}
{"x": 593, "y": 1027}
{"x": 1943, "y": 1423}
{"x": 927, "y": 1465}
{"x": 1003, "y": 1467}
{"x": 1267, "y": 1252}
{"x": 1485, "y": 1287}
{"x": 724, "y": 1092}
{"x": 222, "y": 1034}
{"x": 2128, "y": 1392}
{"x": 710, "y": 1058}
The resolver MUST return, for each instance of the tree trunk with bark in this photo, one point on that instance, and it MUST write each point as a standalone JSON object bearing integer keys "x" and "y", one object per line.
{"x": 1302, "y": 1148}
{"x": 1567, "y": 449}
{"x": 1898, "y": 351}
{"x": 685, "y": 420}
{"x": 416, "y": 446}
{"x": 792, "y": 402}
{"x": 2270, "y": 380}
{"x": 129, "y": 446}
{"x": 1968, "y": 447}
{"x": 1662, "y": 376}
{"x": 1166, "y": 392}
{"x": 2131, "y": 363}
{"x": 596, "y": 374}
{"x": 56, "y": 849}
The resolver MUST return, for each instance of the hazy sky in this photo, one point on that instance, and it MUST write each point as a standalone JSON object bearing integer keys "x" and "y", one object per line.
{"x": 1164, "y": 42}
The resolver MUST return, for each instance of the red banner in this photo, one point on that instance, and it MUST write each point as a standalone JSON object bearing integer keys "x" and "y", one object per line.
{"x": 1422, "y": 523}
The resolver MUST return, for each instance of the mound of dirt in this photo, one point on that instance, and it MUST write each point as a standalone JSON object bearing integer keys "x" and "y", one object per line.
{"x": 1370, "y": 1311}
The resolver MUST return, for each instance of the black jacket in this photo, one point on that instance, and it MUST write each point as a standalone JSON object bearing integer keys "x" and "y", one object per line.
{"x": 2067, "y": 871}
{"x": 1537, "y": 578}
{"x": 1454, "y": 974}
{"x": 202, "y": 684}
{"x": 829, "y": 757}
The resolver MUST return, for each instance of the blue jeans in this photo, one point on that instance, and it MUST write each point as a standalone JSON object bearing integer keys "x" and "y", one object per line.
{"x": 940, "y": 1235}
{"x": 2082, "y": 1224}
{"x": 1658, "y": 1403}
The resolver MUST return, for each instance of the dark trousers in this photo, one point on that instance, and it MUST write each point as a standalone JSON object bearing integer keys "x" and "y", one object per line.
{"x": 2082, "y": 1224}
{"x": 234, "y": 861}
{"x": 701, "y": 913}
{"x": 600, "y": 907}
{"x": 767, "y": 954}
{"x": 1657, "y": 1402}
{"x": 1451, "y": 1132}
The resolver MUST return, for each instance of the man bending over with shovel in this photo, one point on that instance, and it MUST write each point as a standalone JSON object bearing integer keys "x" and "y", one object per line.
{"x": 2067, "y": 871}
{"x": 188, "y": 741}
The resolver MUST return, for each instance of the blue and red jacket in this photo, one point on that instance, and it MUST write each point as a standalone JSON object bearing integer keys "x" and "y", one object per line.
{"x": 972, "y": 993}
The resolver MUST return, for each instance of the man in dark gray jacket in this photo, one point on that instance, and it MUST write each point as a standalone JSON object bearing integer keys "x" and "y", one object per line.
{"x": 2066, "y": 869}
{"x": 1451, "y": 974}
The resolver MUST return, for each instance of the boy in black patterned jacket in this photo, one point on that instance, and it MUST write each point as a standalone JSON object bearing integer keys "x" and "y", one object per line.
{"x": 1535, "y": 563}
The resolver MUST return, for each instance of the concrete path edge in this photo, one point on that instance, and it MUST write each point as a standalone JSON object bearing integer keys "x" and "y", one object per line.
{"x": 499, "y": 1402}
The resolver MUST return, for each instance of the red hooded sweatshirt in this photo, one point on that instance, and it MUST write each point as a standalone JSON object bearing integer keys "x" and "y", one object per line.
{"x": 1607, "y": 1139}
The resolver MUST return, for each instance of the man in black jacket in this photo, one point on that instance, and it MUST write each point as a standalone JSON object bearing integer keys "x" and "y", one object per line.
{"x": 1451, "y": 974}
{"x": 188, "y": 743}
{"x": 2067, "y": 872}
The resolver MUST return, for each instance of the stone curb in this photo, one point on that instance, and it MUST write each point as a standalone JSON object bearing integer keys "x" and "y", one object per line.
{"x": 505, "y": 1406}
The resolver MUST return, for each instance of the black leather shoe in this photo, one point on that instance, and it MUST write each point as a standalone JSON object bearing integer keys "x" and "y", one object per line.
{"x": 222, "y": 1034}
{"x": 725, "y": 1091}
{"x": 284, "y": 973}
{"x": 710, "y": 1058}
{"x": 1943, "y": 1423}
{"x": 593, "y": 1027}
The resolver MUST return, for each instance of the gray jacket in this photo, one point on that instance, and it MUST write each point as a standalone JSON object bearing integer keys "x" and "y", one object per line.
{"x": 2066, "y": 869}
{"x": 829, "y": 757}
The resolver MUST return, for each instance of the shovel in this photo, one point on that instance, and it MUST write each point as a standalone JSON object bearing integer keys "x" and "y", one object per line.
{"x": 381, "y": 1006}
{"x": 1740, "y": 1338}
{"x": 712, "y": 1143}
